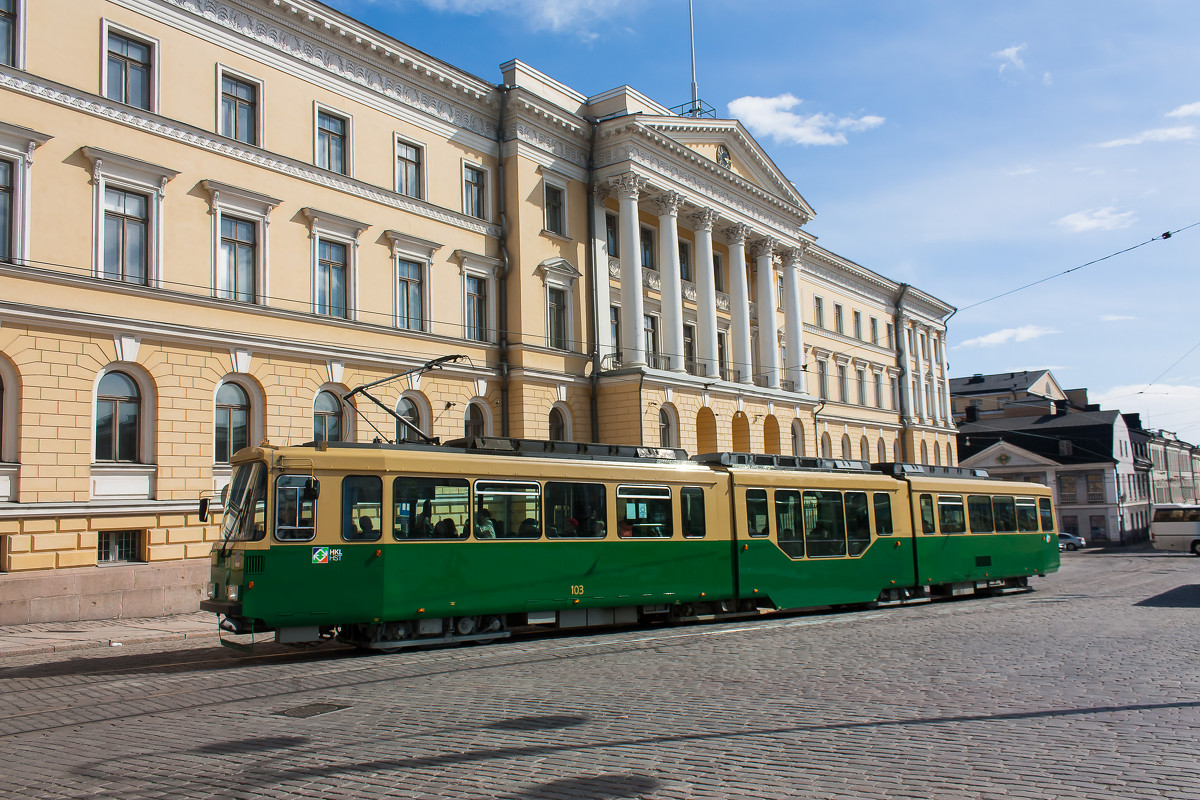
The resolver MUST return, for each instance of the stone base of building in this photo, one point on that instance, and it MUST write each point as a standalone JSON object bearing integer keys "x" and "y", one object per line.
{"x": 109, "y": 592}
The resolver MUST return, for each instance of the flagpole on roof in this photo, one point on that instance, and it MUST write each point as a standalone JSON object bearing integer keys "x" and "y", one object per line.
{"x": 695, "y": 88}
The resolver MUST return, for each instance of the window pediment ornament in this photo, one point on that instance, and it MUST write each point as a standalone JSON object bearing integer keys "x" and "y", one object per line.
{"x": 21, "y": 141}
{"x": 412, "y": 247}
{"x": 234, "y": 198}
{"x": 558, "y": 270}
{"x": 126, "y": 169}
{"x": 332, "y": 224}
{"x": 842, "y": 359}
{"x": 477, "y": 264}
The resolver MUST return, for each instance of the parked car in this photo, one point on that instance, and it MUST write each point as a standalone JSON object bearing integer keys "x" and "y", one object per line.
{"x": 1067, "y": 541}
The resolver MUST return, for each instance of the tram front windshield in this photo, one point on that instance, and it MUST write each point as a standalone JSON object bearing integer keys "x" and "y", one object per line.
{"x": 246, "y": 503}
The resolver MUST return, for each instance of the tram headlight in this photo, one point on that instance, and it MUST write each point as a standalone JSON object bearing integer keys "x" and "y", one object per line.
{"x": 231, "y": 592}
{"x": 212, "y": 591}
{"x": 237, "y": 561}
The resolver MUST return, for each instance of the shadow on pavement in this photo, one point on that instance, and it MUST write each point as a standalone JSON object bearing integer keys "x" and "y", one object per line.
{"x": 591, "y": 787}
{"x": 1179, "y": 597}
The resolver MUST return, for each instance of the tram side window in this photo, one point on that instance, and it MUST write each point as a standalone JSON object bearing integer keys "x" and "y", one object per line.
{"x": 883, "y": 514}
{"x": 1047, "y": 514}
{"x": 824, "y": 524}
{"x": 245, "y": 503}
{"x": 979, "y": 511}
{"x": 927, "y": 523}
{"x": 950, "y": 513}
{"x": 858, "y": 523}
{"x": 296, "y": 508}
{"x": 430, "y": 508}
{"x": 514, "y": 508}
{"x": 573, "y": 511}
{"x": 645, "y": 512}
{"x": 691, "y": 509}
{"x": 789, "y": 519}
{"x": 362, "y": 508}
{"x": 1027, "y": 515}
{"x": 1005, "y": 514}
{"x": 756, "y": 512}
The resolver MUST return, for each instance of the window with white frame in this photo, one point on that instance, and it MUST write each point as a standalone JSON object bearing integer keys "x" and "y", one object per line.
{"x": 128, "y": 197}
{"x": 649, "y": 251}
{"x": 612, "y": 235}
{"x": 240, "y": 108}
{"x": 240, "y": 220}
{"x": 11, "y": 30}
{"x": 822, "y": 379}
{"x": 685, "y": 260}
{"x": 332, "y": 141}
{"x": 861, "y": 381}
{"x": 335, "y": 246}
{"x": 556, "y": 318}
{"x": 231, "y": 424}
{"x": 476, "y": 326}
{"x": 479, "y": 301}
{"x": 559, "y": 430}
{"x": 410, "y": 168}
{"x": 130, "y": 68}
{"x": 118, "y": 418}
{"x": 843, "y": 389}
{"x": 475, "y": 420}
{"x": 858, "y": 332}
{"x": 410, "y": 411}
{"x": 874, "y": 331}
{"x": 838, "y": 323}
{"x": 718, "y": 272}
{"x": 818, "y": 312}
{"x": 118, "y": 547}
{"x": 475, "y": 191}
{"x": 328, "y": 418}
{"x": 879, "y": 390}
{"x": 556, "y": 207}
{"x": 559, "y": 278}
{"x": 7, "y": 216}
{"x": 412, "y": 256}
{"x": 666, "y": 428}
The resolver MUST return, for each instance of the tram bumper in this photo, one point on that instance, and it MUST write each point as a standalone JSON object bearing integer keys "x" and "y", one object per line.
{"x": 226, "y": 607}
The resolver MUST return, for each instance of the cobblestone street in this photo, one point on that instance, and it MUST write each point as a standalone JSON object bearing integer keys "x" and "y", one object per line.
{"x": 1083, "y": 688}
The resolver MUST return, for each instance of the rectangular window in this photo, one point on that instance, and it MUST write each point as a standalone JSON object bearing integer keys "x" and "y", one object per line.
{"x": 723, "y": 355}
{"x": 789, "y": 520}
{"x": 475, "y": 192}
{"x": 874, "y": 331}
{"x": 685, "y": 261}
{"x": 410, "y": 296}
{"x": 556, "y": 217}
{"x": 891, "y": 337}
{"x": 1066, "y": 488}
{"x": 824, "y": 524}
{"x": 649, "y": 251}
{"x": 238, "y": 260}
{"x": 576, "y": 510}
{"x": 1027, "y": 515}
{"x": 718, "y": 272}
{"x": 843, "y": 390}
{"x": 883, "y": 513}
{"x": 556, "y": 318}
{"x": 857, "y": 324}
{"x": 822, "y": 379}
{"x": 1047, "y": 514}
{"x": 927, "y": 523}
{"x": 614, "y": 329}
{"x": 476, "y": 327}
{"x": 612, "y": 235}
{"x": 331, "y": 278}
{"x": 408, "y": 170}
{"x": 879, "y": 390}
{"x": 239, "y": 109}
{"x": 514, "y": 508}
{"x": 430, "y": 508}
{"x": 362, "y": 508}
{"x": 8, "y": 32}
{"x": 6, "y": 209}
{"x": 689, "y": 349}
{"x": 979, "y": 511}
{"x": 129, "y": 71}
{"x": 858, "y": 524}
{"x": 691, "y": 511}
{"x": 118, "y": 546}
{"x": 126, "y": 236}
{"x": 1004, "y": 513}
{"x": 951, "y": 517}
{"x": 818, "y": 312}
{"x": 838, "y": 323}
{"x": 756, "y": 513}
{"x": 331, "y": 142}
{"x": 295, "y": 508}
{"x": 1095, "y": 488}
{"x": 645, "y": 512}
{"x": 861, "y": 380}
{"x": 650, "y": 331}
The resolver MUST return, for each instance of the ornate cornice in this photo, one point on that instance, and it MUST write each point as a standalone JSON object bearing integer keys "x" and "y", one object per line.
{"x": 161, "y": 126}
{"x": 541, "y": 139}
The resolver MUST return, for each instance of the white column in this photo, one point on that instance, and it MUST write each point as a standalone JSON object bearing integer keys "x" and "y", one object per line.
{"x": 924, "y": 360}
{"x": 604, "y": 343}
{"x": 739, "y": 302}
{"x": 793, "y": 322}
{"x": 672, "y": 283}
{"x": 949, "y": 416}
{"x": 633, "y": 339}
{"x": 706, "y": 292}
{"x": 906, "y": 392}
{"x": 768, "y": 326}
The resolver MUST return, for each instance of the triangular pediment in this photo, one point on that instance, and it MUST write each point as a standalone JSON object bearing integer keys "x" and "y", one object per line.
{"x": 714, "y": 138}
{"x": 1004, "y": 455}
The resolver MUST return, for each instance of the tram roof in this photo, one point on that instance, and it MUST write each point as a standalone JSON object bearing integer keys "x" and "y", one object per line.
{"x": 503, "y": 446}
{"x": 772, "y": 461}
{"x": 900, "y": 469}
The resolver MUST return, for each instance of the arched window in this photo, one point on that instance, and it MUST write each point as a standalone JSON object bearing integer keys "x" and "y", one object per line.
{"x": 864, "y": 449}
{"x": 118, "y": 409}
{"x": 937, "y": 456}
{"x": 232, "y": 422}
{"x": 408, "y": 410}
{"x": 949, "y": 455}
{"x": 558, "y": 425}
{"x": 666, "y": 429}
{"x": 797, "y": 438}
{"x": 327, "y": 418}
{"x": 474, "y": 421}
{"x": 845, "y": 445}
{"x": 924, "y": 453}
{"x": 882, "y": 449}
{"x": 826, "y": 446}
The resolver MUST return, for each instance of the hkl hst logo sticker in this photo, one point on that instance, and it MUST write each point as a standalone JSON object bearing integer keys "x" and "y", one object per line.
{"x": 323, "y": 555}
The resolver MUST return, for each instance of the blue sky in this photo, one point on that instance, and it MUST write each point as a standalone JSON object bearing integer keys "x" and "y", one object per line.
{"x": 965, "y": 147}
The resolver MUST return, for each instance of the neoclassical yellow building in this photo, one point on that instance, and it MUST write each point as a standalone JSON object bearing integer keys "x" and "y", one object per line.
{"x": 217, "y": 217}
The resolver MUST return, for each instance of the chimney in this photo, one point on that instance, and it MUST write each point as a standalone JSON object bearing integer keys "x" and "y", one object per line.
{"x": 1060, "y": 408}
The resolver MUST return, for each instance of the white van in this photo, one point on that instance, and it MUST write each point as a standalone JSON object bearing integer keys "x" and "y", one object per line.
{"x": 1176, "y": 526}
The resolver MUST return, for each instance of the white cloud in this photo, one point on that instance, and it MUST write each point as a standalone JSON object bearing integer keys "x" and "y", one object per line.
{"x": 1047, "y": 79}
{"x": 1011, "y": 56}
{"x": 1173, "y": 407}
{"x": 1023, "y": 169}
{"x": 1182, "y": 133}
{"x": 1022, "y": 334}
{"x": 773, "y": 116}
{"x": 1097, "y": 219}
{"x": 555, "y": 15}
{"x": 1190, "y": 110}
{"x": 1115, "y": 318}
